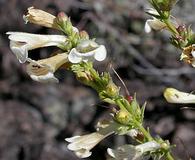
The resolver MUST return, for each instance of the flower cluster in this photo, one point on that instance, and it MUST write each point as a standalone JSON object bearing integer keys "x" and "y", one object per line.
{"x": 75, "y": 46}
{"x": 181, "y": 36}
{"x": 76, "y": 51}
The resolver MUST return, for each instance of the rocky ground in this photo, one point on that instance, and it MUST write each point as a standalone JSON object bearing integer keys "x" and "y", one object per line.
{"x": 35, "y": 118}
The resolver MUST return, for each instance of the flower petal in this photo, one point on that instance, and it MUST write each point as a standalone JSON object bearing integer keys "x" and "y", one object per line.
{"x": 48, "y": 78}
{"x": 148, "y": 146}
{"x": 72, "y": 139}
{"x": 82, "y": 153}
{"x": 36, "y": 40}
{"x": 100, "y": 53}
{"x": 156, "y": 24}
{"x": 20, "y": 52}
{"x": 74, "y": 56}
{"x": 147, "y": 27}
{"x": 125, "y": 152}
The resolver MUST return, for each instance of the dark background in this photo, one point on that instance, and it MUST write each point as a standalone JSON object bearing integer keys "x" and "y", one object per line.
{"x": 35, "y": 118}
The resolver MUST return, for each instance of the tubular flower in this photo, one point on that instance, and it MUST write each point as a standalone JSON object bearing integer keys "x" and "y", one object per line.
{"x": 188, "y": 55}
{"x": 40, "y": 17}
{"x": 82, "y": 145}
{"x": 174, "y": 96}
{"x": 21, "y": 43}
{"x": 130, "y": 152}
{"x": 43, "y": 70}
{"x": 45, "y": 19}
{"x": 153, "y": 23}
{"x": 87, "y": 50}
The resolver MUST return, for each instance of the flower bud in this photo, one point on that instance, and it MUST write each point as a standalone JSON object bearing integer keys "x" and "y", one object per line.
{"x": 64, "y": 24}
{"x": 129, "y": 98}
{"x": 84, "y": 35}
{"x": 123, "y": 117}
{"x": 84, "y": 77}
{"x": 112, "y": 90}
{"x": 165, "y": 145}
{"x": 62, "y": 17}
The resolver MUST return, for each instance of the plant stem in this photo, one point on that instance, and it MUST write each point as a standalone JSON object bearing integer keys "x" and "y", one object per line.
{"x": 119, "y": 101}
{"x": 122, "y": 107}
{"x": 169, "y": 156}
{"x": 144, "y": 131}
{"x": 171, "y": 27}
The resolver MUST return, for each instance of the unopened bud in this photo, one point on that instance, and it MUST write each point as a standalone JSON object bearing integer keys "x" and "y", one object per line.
{"x": 181, "y": 28}
{"x": 165, "y": 145}
{"x": 84, "y": 77}
{"x": 84, "y": 35}
{"x": 123, "y": 117}
{"x": 112, "y": 89}
{"x": 129, "y": 98}
{"x": 62, "y": 17}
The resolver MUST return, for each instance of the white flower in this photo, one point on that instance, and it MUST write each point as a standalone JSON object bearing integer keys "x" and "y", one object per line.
{"x": 87, "y": 50}
{"x": 153, "y": 23}
{"x": 174, "y": 96}
{"x": 82, "y": 145}
{"x": 130, "y": 152}
{"x": 43, "y": 70}
{"x": 21, "y": 43}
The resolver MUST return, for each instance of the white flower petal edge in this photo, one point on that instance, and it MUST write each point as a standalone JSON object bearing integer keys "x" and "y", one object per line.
{"x": 41, "y": 73}
{"x": 43, "y": 70}
{"x": 74, "y": 56}
{"x": 98, "y": 54}
{"x": 48, "y": 78}
{"x": 21, "y": 43}
{"x": 147, "y": 27}
{"x": 172, "y": 95}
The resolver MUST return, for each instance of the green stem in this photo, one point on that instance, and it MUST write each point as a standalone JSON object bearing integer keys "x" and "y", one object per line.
{"x": 144, "y": 131}
{"x": 169, "y": 156}
{"x": 171, "y": 27}
{"x": 122, "y": 107}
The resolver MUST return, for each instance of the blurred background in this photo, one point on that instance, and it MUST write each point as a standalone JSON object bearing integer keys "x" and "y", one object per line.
{"x": 36, "y": 118}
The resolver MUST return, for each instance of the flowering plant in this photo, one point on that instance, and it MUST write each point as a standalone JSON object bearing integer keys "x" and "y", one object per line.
{"x": 77, "y": 53}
